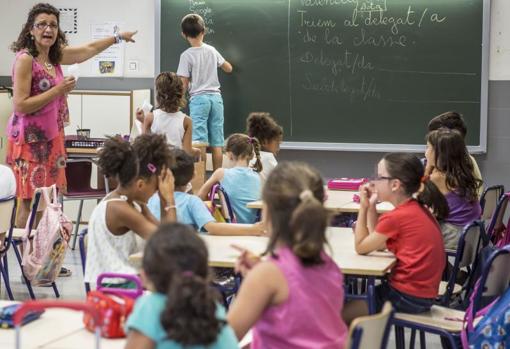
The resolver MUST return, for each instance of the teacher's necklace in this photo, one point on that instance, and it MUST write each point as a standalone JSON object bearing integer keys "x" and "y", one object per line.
{"x": 48, "y": 65}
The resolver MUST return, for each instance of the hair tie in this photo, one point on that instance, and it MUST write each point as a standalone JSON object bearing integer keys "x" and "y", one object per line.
{"x": 306, "y": 195}
{"x": 187, "y": 273}
{"x": 424, "y": 178}
{"x": 250, "y": 140}
{"x": 151, "y": 168}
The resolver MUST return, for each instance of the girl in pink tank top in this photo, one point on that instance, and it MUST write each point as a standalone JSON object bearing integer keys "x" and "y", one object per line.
{"x": 295, "y": 298}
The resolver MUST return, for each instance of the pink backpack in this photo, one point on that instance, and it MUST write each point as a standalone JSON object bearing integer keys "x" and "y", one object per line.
{"x": 44, "y": 251}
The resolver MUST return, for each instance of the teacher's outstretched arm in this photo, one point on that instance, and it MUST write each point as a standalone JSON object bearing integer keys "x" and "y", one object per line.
{"x": 79, "y": 54}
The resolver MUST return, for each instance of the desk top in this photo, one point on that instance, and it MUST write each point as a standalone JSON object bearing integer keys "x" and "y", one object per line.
{"x": 57, "y": 328}
{"x": 338, "y": 201}
{"x": 341, "y": 240}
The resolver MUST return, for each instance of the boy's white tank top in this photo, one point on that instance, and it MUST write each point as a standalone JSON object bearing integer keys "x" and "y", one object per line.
{"x": 169, "y": 124}
{"x": 107, "y": 252}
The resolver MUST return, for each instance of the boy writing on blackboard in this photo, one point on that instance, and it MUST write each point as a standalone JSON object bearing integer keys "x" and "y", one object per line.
{"x": 198, "y": 69}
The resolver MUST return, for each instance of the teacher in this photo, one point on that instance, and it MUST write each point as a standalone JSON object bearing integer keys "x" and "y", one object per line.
{"x": 36, "y": 149}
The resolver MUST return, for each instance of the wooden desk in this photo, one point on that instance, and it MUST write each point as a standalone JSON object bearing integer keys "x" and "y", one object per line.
{"x": 338, "y": 201}
{"x": 341, "y": 240}
{"x": 57, "y": 328}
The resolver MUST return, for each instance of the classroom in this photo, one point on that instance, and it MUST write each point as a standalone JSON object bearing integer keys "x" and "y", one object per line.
{"x": 254, "y": 174}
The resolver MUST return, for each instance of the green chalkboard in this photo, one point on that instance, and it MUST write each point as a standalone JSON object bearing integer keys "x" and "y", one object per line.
{"x": 344, "y": 73}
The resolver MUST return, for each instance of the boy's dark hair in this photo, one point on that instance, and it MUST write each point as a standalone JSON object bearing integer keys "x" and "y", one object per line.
{"x": 25, "y": 40}
{"x": 294, "y": 194}
{"x": 452, "y": 159}
{"x": 243, "y": 146}
{"x": 183, "y": 167}
{"x": 408, "y": 169}
{"x": 118, "y": 160}
{"x": 452, "y": 120}
{"x": 169, "y": 92}
{"x": 192, "y": 25}
{"x": 175, "y": 260}
{"x": 153, "y": 154}
{"x": 263, "y": 127}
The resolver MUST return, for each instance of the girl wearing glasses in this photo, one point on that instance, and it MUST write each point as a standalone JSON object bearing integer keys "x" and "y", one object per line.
{"x": 36, "y": 150}
{"x": 410, "y": 231}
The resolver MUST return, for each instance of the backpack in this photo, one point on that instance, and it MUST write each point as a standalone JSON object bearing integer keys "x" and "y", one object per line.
{"x": 498, "y": 232}
{"x": 225, "y": 213}
{"x": 44, "y": 251}
{"x": 493, "y": 330}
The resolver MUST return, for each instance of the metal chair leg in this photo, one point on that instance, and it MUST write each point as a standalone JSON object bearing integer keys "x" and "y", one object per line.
{"x": 18, "y": 257}
{"x": 399, "y": 337}
{"x": 423, "y": 343}
{"x": 412, "y": 341}
{"x": 77, "y": 226}
{"x": 54, "y": 285}
{"x": 5, "y": 276}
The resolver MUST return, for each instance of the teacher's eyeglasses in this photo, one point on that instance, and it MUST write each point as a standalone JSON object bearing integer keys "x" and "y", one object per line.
{"x": 380, "y": 178}
{"x": 44, "y": 25}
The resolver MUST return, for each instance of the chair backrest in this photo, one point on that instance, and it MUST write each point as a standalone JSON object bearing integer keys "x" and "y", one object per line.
{"x": 495, "y": 278}
{"x": 82, "y": 243}
{"x": 489, "y": 200}
{"x": 471, "y": 241}
{"x": 7, "y": 221}
{"x": 496, "y": 223}
{"x": 371, "y": 331}
{"x": 78, "y": 174}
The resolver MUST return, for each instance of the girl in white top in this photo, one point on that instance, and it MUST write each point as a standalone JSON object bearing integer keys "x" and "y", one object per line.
{"x": 122, "y": 215}
{"x": 167, "y": 119}
{"x": 263, "y": 127}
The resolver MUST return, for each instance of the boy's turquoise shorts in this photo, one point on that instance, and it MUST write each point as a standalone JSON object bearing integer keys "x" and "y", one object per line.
{"x": 206, "y": 111}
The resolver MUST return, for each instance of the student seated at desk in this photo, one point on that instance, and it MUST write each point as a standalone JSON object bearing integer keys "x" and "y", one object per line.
{"x": 451, "y": 170}
{"x": 241, "y": 182}
{"x": 191, "y": 209}
{"x": 263, "y": 127}
{"x": 183, "y": 311}
{"x": 410, "y": 231}
{"x": 453, "y": 120}
{"x": 122, "y": 215}
{"x": 295, "y": 298}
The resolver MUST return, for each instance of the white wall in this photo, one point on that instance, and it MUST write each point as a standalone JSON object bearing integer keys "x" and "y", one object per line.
{"x": 135, "y": 14}
{"x": 500, "y": 41}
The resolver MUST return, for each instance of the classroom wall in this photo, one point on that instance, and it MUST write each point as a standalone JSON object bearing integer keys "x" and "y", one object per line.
{"x": 495, "y": 164}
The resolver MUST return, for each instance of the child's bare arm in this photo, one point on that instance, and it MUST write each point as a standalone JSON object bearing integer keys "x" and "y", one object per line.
{"x": 185, "y": 84}
{"x": 233, "y": 229}
{"x": 137, "y": 340}
{"x": 206, "y": 188}
{"x": 227, "y": 67}
{"x": 186, "y": 140}
{"x": 147, "y": 123}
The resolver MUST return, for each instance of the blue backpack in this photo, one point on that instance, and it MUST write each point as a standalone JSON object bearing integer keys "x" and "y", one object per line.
{"x": 493, "y": 330}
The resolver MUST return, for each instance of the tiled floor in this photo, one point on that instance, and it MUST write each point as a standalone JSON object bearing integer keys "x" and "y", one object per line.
{"x": 72, "y": 288}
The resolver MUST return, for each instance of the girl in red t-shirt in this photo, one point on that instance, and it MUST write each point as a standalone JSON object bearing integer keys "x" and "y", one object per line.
{"x": 410, "y": 231}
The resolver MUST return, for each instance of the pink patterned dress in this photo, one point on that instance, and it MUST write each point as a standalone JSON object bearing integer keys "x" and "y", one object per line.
{"x": 36, "y": 150}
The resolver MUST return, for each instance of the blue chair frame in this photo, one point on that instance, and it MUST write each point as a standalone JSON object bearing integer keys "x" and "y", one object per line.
{"x": 6, "y": 244}
{"x": 83, "y": 255}
{"x": 15, "y": 244}
{"x": 451, "y": 338}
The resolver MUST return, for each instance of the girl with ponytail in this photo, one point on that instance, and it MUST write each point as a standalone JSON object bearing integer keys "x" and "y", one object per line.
{"x": 122, "y": 215}
{"x": 182, "y": 311}
{"x": 294, "y": 299}
{"x": 241, "y": 182}
{"x": 410, "y": 231}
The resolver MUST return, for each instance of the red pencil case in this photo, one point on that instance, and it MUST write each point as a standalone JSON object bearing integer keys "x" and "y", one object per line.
{"x": 346, "y": 183}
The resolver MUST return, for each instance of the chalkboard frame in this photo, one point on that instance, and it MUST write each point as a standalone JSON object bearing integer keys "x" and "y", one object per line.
{"x": 381, "y": 147}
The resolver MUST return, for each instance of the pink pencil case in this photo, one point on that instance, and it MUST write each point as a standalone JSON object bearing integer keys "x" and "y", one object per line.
{"x": 346, "y": 183}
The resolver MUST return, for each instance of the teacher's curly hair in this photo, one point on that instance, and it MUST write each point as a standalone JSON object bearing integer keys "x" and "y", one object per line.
{"x": 26, "y": 39}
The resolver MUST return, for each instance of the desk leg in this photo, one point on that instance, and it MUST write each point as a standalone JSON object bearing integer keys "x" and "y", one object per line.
{"x": 371, "y": 295}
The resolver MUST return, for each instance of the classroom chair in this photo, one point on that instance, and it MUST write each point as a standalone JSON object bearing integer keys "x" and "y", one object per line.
{"x": 37, "y": 205}
{"x": 82, "y": 245}
{"x": 496, "y": 224}
{"x": 371, "y": 331}
{"x": 7, "y": 222}
{"x": 78, "y": 174}
{"x": 446, "y": 322}
{"x": 467, "y": 256}
{"x": 489, "y": 200}
{"x": 218, "y": 194}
